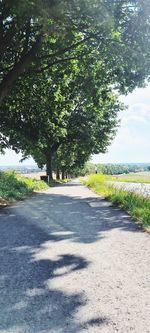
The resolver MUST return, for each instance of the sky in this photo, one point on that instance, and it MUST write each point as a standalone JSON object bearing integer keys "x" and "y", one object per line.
{"x": 132, "y": 142}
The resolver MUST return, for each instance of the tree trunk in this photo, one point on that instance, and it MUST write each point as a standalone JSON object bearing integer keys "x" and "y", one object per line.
{"x": 49, "y": 166}
{"x": 23, "y": 64}
{"x": 63, "y": 174}
{"x": 57, "y": 174}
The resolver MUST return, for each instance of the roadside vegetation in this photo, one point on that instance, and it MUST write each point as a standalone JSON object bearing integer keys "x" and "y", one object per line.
{"x": 16, "y": 187}
{"x": 136, "y": 205}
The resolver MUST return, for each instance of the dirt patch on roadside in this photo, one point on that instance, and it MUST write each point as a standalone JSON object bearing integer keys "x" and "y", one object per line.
{"x": 3, "y": 202}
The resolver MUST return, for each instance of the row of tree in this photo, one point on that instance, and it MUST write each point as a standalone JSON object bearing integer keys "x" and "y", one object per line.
{"x": 111, "y": 169}
{"x": 63, "y": 65}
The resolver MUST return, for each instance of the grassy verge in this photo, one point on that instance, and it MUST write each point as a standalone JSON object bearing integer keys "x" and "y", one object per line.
{"x": 16, "y": 187}
{"x": 136, "y": 205}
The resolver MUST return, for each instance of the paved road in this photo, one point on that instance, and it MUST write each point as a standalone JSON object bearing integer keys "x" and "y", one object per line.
{"x": 139, "y": 188}
{"x": 69, "y": 263}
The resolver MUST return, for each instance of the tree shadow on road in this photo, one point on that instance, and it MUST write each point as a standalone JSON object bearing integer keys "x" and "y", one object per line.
{"x": 85, "y": 219}
{"x": 29, "y": 302}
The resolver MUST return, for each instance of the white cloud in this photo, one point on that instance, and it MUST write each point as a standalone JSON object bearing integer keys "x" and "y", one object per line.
{"x": 139, "y": 112}
{"x": 132, "y": 142}
{"x": 139, "y": 95}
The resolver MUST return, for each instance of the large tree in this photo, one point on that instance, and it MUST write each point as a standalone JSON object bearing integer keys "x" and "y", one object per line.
{"x": 35, "y": 35}
{"x": 60, "y": 61}
{"x": 60, "y": 113}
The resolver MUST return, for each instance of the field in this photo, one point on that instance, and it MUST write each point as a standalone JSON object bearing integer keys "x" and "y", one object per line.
{"x": 34, "y": 175}
{"x": 138, "y": 177}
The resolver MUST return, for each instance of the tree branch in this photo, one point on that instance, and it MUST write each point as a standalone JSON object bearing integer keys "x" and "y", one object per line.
{"x": 58, "y": 61}
{"x": 24, "y": 62}
{"x": 62, "y": 51}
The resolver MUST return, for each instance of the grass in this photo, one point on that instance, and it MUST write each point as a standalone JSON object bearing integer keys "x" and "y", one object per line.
{"x": 136, "y": 205}
{"x": 139, "y": 177}
{"x": 16, "y": 187}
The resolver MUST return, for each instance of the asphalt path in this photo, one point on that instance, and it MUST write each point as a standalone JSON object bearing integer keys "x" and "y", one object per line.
{"x": 70, "y": 262}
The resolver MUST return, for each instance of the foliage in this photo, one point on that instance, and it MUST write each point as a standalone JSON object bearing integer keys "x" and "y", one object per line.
{"x": 62, "y": 65}
{"x": 118, "y": 169}
{"x": 88, "y": 169}
{"x": 62, "y": 120}
{"x": 33, "y": 184}
{"x": 35, "y": 35}
{"x": 16, "y": 187}
{"x": 136, "y": 205}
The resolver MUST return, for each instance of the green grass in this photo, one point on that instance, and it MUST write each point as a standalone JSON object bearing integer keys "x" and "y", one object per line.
{"x": 139, "y": 177}
{"x": 136, "y": 205}
{"x": 16, "y": 187}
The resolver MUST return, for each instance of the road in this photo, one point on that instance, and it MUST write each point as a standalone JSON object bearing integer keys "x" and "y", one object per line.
{"x": 69, "y": 263}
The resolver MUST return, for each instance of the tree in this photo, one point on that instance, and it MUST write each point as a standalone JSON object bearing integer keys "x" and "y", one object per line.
{"x": 99, "y": 47}
{"x": 61, "y": 115}
{"x": 91, "y": 127}
{"x": 34, "y": 119}
{"x": 36, "y": 35}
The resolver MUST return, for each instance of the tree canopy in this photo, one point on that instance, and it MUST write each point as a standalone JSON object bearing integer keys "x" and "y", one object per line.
{"x": 62, "y": 65}
{"x": 60, "y": 116}
{"x": 35, "y": 35}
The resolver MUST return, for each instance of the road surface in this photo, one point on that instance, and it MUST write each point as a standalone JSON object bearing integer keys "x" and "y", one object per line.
{"x": 69, "y": 263}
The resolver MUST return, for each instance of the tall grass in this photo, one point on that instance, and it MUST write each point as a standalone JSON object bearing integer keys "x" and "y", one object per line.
{"x": 16, "y": 187}
{"x": 136, "y": 205}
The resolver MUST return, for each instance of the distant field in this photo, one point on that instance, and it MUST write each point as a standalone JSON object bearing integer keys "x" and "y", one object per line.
{"x": 34, "y": 175}
{"x": 139, "y": 177}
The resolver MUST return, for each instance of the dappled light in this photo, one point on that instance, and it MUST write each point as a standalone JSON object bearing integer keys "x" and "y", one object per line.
{"x": 25, "y": 278}
{"x": 40, "y": 266}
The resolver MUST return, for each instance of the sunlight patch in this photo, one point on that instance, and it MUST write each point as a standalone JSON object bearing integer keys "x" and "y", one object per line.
{"x": 100, "y": 204}
{"x": 20, "y": 305}
{"x": 35, "y": 292}
{"x": 61, "y": 233}
{"x": 64, "y": 270}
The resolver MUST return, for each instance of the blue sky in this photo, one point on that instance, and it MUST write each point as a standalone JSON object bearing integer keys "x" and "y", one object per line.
{"x": 132, "y": 142}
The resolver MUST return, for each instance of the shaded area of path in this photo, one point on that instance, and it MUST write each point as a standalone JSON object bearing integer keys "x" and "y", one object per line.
{"x": 70, "y": 262}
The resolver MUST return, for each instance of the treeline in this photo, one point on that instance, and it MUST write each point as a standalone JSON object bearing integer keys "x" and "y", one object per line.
{"x": 63, "y": 65}
{"x": 112, "y": 169}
